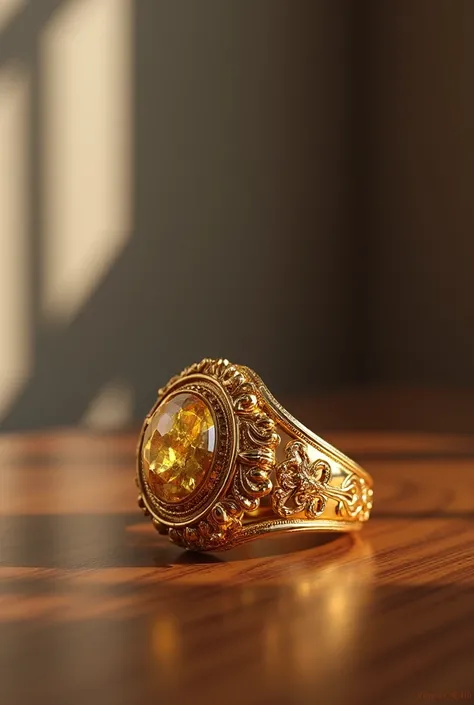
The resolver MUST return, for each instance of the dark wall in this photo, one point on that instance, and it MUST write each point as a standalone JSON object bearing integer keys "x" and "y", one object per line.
{"x": 242, "y": 185}
{"x": 303, "y": 204}
{"x": 420, "y": 213}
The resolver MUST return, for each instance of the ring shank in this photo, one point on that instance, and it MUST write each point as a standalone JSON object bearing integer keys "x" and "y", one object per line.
{"x": 331, "y": 490}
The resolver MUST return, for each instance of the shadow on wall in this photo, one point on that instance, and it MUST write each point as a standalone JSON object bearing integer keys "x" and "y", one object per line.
{"x": 232, "y": 120}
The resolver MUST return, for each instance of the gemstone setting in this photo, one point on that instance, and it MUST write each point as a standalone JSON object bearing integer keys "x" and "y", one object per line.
{"x": 178, "y": 447}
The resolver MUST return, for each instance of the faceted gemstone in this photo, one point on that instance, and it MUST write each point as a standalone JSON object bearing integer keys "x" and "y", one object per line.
{"x": 178, "y": 447}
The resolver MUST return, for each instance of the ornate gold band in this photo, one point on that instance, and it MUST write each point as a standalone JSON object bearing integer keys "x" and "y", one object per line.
{"x": 221, "y": 462}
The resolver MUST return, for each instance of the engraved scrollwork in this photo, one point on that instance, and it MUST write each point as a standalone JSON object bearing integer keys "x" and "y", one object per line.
{"x": 256, "y": 459}
{"x": 254, "y": 463}
{"x": 257, "y": 435}
{"x": 304, "y": 487}
{"x": 217, "y": 529}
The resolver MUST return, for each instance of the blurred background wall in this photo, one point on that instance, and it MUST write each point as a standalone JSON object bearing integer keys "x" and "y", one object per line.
{"x": 287, "y": 184}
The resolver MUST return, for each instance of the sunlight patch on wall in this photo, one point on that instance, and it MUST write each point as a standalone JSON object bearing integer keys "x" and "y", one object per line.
{"x": 15, "y": 342}
{"x": 8, "y": 9}
{"x": 86, "y": 60}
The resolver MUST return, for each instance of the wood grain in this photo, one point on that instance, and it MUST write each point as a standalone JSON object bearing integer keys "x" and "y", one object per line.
{"x": 96, "y": 607}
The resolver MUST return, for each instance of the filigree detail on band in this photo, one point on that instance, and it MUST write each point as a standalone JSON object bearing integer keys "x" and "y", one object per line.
{"x": 356, "y": 500}
{"x": 304, "y": 487}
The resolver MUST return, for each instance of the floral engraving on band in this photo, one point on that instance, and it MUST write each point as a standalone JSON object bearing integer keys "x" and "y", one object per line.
{"x": 304, "y": 486}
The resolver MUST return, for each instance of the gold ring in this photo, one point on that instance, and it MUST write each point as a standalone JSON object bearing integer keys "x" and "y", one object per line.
{"x": 220, "y": 462}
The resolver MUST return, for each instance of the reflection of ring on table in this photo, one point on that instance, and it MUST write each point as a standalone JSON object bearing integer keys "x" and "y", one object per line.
{"x": 220, "y": 462}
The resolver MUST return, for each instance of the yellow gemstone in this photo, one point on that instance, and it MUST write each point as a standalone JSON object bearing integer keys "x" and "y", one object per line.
{"x": 178, "y": 447}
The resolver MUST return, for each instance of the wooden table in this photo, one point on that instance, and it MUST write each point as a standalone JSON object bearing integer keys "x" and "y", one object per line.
{"x": 97, "y": 608}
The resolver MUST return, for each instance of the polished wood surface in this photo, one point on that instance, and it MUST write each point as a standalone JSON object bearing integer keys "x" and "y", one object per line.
{"x": 95, "y": 607}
